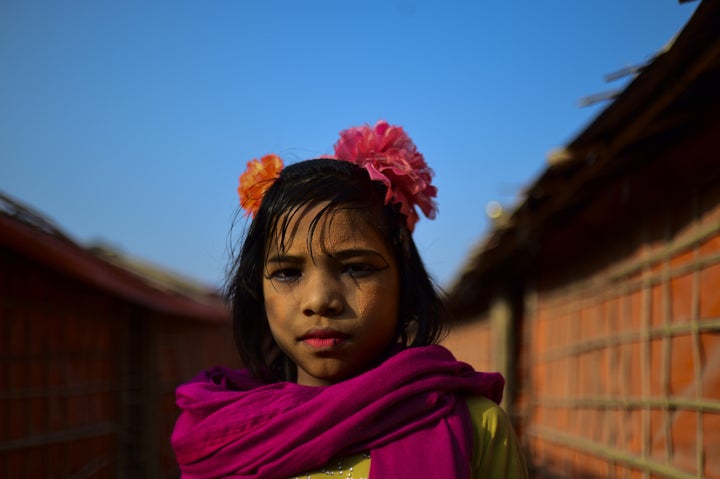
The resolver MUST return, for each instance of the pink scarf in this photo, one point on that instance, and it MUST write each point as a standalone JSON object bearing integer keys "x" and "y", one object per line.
{"x": 408, "y": 412}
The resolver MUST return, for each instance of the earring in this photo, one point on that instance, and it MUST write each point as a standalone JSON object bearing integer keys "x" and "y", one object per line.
{"x": 412, "y": 318}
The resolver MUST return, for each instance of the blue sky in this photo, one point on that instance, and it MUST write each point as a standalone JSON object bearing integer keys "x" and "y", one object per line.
{"x": 130, "y": 122}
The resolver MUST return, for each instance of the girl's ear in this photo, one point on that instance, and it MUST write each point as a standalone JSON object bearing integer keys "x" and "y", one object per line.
{"x": 407, "y": 328}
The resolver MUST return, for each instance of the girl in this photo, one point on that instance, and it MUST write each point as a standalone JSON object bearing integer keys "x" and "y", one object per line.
{"x": 337, "y": 320}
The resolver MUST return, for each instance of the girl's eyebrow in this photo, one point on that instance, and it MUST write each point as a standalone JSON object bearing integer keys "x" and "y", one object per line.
{"x": 354, "y": 253}
{"x": 339, "y": 255}
{"x": 285, "y": 258}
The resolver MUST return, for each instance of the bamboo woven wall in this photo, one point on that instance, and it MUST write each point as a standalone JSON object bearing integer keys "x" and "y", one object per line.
{"x": 183, "y": 349}
{"x": 472, "y": 342}
{"x": 625, "y": 364}
{"x": 61, "y": 373}
{"x": 87, "y": 381}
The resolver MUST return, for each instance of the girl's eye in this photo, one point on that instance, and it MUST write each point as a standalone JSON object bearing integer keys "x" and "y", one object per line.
{"x": 285, "y": 275}
{"x": 358, "y": 270}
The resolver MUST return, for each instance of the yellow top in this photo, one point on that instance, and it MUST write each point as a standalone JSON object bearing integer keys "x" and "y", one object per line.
{"x": 496, "y": 453}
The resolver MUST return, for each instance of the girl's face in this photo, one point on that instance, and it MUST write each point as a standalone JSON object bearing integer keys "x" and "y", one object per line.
{"x": 331, "y": 302}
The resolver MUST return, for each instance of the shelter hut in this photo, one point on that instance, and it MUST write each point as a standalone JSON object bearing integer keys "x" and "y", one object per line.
{"x": 92, "y": 346}
{"x": 599, "y": 294}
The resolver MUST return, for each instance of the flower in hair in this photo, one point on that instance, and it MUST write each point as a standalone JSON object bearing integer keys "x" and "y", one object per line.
{"x": 256, "y": 180}
{"x": 390, "y": 156}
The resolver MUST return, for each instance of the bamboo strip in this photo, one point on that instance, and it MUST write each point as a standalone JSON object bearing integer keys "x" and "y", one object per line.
{"x": 60, "y": 437}
{"x": 698, "y": 263}
{"x": 666, "y": 365}
{"x": 530, "y": 382}
{"x": 677, "y": 329}
{"x": 69, "y": 390}
{"x": 620, "y": 285}
{"x": 697, "y": 360}
{"x": 5, "y": 431}
{"x": 613, "y": 353}
{"x": 64, "y": 401}
{"x": 626, "y": 368}
{"x": 598, "y": 360}
{"x": 645, "y": 367}
{"x": 570, "y": 376}
{"x": 569, "y": 442}
{"x": 93, "y": 467}
{"x": 56, "y": 356}
{"x": 671, "y": 249}
{"x": 49, "y": 309}
{"x": 24, "y": 406}
{"x": 48, "y": 404}
{"x": 625, "y": 402}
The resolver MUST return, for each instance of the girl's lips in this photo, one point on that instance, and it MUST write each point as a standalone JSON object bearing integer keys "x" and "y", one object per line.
{"x": 324, "y": 343}
{"x": 324, "y": 339}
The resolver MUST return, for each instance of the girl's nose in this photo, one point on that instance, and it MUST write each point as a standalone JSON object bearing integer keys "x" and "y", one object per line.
{"x": 322, "y": 295}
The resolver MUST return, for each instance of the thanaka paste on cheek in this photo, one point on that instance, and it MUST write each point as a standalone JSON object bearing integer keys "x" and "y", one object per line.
{"x": 330, "y": 323}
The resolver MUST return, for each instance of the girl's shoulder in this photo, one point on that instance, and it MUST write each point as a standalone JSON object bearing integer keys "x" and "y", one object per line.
{"x": 486, "y": 414}
{"x": 497, "y": 451}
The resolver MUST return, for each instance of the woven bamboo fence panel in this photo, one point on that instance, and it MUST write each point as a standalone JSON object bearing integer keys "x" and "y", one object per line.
{"x": 473, "y": 342}
{"x": 87, "y": 382}
{"x": 624, "y": 365}
{"x": 183, "y": 349}
{"x": 60, "y": 375}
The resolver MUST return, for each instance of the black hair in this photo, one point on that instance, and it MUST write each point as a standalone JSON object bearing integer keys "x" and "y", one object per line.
{"x": 342, "y": 185}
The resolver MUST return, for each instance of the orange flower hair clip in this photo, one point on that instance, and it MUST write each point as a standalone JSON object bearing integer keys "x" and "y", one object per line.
{"x": 256, "y": 180}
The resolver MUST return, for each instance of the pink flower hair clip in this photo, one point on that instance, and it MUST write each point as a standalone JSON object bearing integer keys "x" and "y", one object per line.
{"x": 390, "y": 157}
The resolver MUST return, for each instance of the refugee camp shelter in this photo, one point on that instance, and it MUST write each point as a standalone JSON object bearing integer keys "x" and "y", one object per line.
{"x": 92, "y": 346}
{"x": 598, "y": 295}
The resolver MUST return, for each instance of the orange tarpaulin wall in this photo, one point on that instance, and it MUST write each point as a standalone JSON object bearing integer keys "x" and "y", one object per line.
{"x": 90, "y": 356}
{"x": 617, "y": 371}
{"x": 625, "y": 365}
{"x": 599, "y": 294}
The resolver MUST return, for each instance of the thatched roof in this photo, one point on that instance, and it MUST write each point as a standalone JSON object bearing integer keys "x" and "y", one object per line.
{"x": 673, "y": 96}
{"x": 26, "y": 232}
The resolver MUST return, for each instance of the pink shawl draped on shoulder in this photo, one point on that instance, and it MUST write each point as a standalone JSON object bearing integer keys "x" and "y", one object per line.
{"x": 408, "y": 412}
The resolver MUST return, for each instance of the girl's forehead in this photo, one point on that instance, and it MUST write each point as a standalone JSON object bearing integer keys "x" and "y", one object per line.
{"x": 324, "y": 229}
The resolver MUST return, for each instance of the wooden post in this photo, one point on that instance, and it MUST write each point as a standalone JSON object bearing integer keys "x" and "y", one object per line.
{"x": 501, "y": 317}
